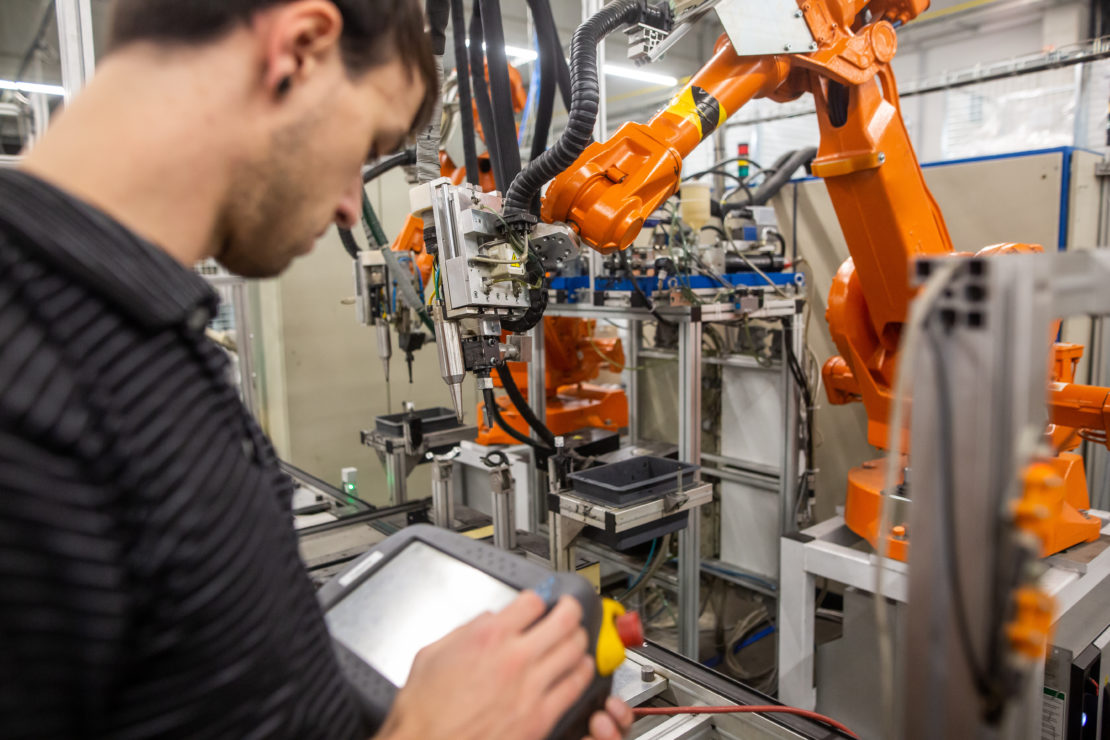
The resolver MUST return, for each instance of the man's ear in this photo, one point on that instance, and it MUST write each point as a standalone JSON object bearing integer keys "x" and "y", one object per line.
{"x": 296, "y": 38}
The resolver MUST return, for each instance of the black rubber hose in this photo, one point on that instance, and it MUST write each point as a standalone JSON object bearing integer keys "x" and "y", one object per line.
{"x": 495, "y": 412}
{"x": 522, "y": 407}
{"x": 501, "y": 93}
{"x": 562, "y": 69}
{"x": 349, "y": 242}
{"x": 481, "y": 93}
{"x": 544, "y": 19}
{"x": 437, "y": 12}
{"x": 780, "y": 174}
{"x": 384, "y": 165}
{"x": 545, "y": 107}
{"x": 778, "y": 179}
{"x": 466, "y": 110}
{"x": 585, "y": 96}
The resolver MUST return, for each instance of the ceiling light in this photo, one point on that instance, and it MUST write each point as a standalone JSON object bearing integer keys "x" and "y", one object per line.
{"x": 638, "y": 74}
{"x": 33, "y": 87}
{"x": 515, "y": 53}
{"x": 521, "y": 55}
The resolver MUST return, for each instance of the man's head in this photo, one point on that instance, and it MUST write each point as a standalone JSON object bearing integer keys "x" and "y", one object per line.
{"x": 328, "y": 85}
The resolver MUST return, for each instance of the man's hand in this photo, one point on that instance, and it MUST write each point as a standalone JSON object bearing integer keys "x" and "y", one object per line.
{"x": 613, "y": 723}
{"x": 504, "y": 676}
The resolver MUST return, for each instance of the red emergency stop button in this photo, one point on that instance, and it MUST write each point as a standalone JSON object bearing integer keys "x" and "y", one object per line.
{"x": 630, "y": 629}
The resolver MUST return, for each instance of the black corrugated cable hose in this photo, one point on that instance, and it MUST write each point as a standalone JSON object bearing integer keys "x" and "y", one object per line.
{"x": 466, "y": 111}
{"x": 385, "y": 164}
{"x": 501, "y": 94}
{"x": 585, "y": 96}
{"x": 349, "y": 242}
{"x": 538, "y": 299}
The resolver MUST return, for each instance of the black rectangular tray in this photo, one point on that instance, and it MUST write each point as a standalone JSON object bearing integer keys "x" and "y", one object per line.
{"x": 431, "y": 420}
{"x": 631, "y": 481}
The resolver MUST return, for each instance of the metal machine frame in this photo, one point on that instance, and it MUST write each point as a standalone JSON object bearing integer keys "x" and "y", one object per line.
{"x": 991, "y": 326}
{"x": 690, "y": 321}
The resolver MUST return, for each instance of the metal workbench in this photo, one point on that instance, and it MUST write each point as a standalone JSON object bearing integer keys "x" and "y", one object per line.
{"x": 830, "y": 550}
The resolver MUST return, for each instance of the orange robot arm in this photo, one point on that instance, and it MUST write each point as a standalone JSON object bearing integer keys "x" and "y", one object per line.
{"x": 888, "y": 216}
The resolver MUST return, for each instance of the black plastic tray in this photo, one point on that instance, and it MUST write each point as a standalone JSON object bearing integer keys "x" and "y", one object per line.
{"x": 631, "y": 481}
{"x": 431, "y": 420}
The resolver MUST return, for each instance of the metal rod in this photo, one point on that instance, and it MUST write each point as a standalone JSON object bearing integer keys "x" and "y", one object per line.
{"x": 689, "y": 448}
{"x": 395, "y": 476}
{"x": 443, "y": 494}
{"x": 504, "y": 521}
{"x": 75, "y": 38}
{"x": 537, "y": 399}
{"x": 632, "y": 381}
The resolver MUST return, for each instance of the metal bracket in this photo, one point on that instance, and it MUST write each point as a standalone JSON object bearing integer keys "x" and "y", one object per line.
{"x": 758, "y": 27}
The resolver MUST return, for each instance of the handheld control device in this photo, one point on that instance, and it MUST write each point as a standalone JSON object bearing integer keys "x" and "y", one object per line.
{"x": 422, "y": 583}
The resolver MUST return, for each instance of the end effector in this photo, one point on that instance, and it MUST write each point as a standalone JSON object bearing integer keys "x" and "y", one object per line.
{"x": 487, "y": 274}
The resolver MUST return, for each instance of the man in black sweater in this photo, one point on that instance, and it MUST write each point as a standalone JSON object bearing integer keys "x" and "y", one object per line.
{"x": 149, "y": 579}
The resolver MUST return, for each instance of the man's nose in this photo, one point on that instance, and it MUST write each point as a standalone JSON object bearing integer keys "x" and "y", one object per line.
{"x": 350, "y": 206}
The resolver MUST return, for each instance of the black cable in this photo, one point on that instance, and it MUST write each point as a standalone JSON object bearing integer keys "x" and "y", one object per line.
{"x": 585, "y": 97}
{"x": 501, "y": 94}
{"x": 988, "y": 692}
{"x": 538, "y": 299}
{"x": 385, "y": 164}
{"x": 718, "y": 229}
{"x": 727, "y": 161}
{"x": 807, "y": 396}
{"x": 437, "y": 12}
{"x": 648, "y": 302}
{"x": 481, "y": 92}
{"x": 541, "y": 14}
{"x": 522, "y": 407}
{"x": 466, "y": 111}
{"x": 495, "y": 412}
{"x": 724, "y": 207}
{"x": 777, "y": 177}
{"x": 781, "y": 240}
{"x": 718, "y": 170}
{"x": 545, "y": 107}
{"x": 349, "y": 242}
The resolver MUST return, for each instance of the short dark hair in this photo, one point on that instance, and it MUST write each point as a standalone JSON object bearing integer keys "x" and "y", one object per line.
{"x": 374, "y": 32}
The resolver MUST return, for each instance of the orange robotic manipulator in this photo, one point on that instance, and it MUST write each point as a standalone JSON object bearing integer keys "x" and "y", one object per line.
{"x": 573, "y": 356}
{"x": 888, "y": 216}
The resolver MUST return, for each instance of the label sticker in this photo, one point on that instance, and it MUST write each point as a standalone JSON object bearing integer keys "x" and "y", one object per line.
{"x": 700, "y": 108}
{"x": 1053, "y": 724}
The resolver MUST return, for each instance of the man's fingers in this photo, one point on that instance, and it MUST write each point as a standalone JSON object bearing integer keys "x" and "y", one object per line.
{"x": 522, "y": 613}
{"x": 602, "y": 727}
{"x": 556, "y": 627}
{"x": 564, "y": 694}
{"x": 558, "y": 662}
{"x": 620, "y": 712}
